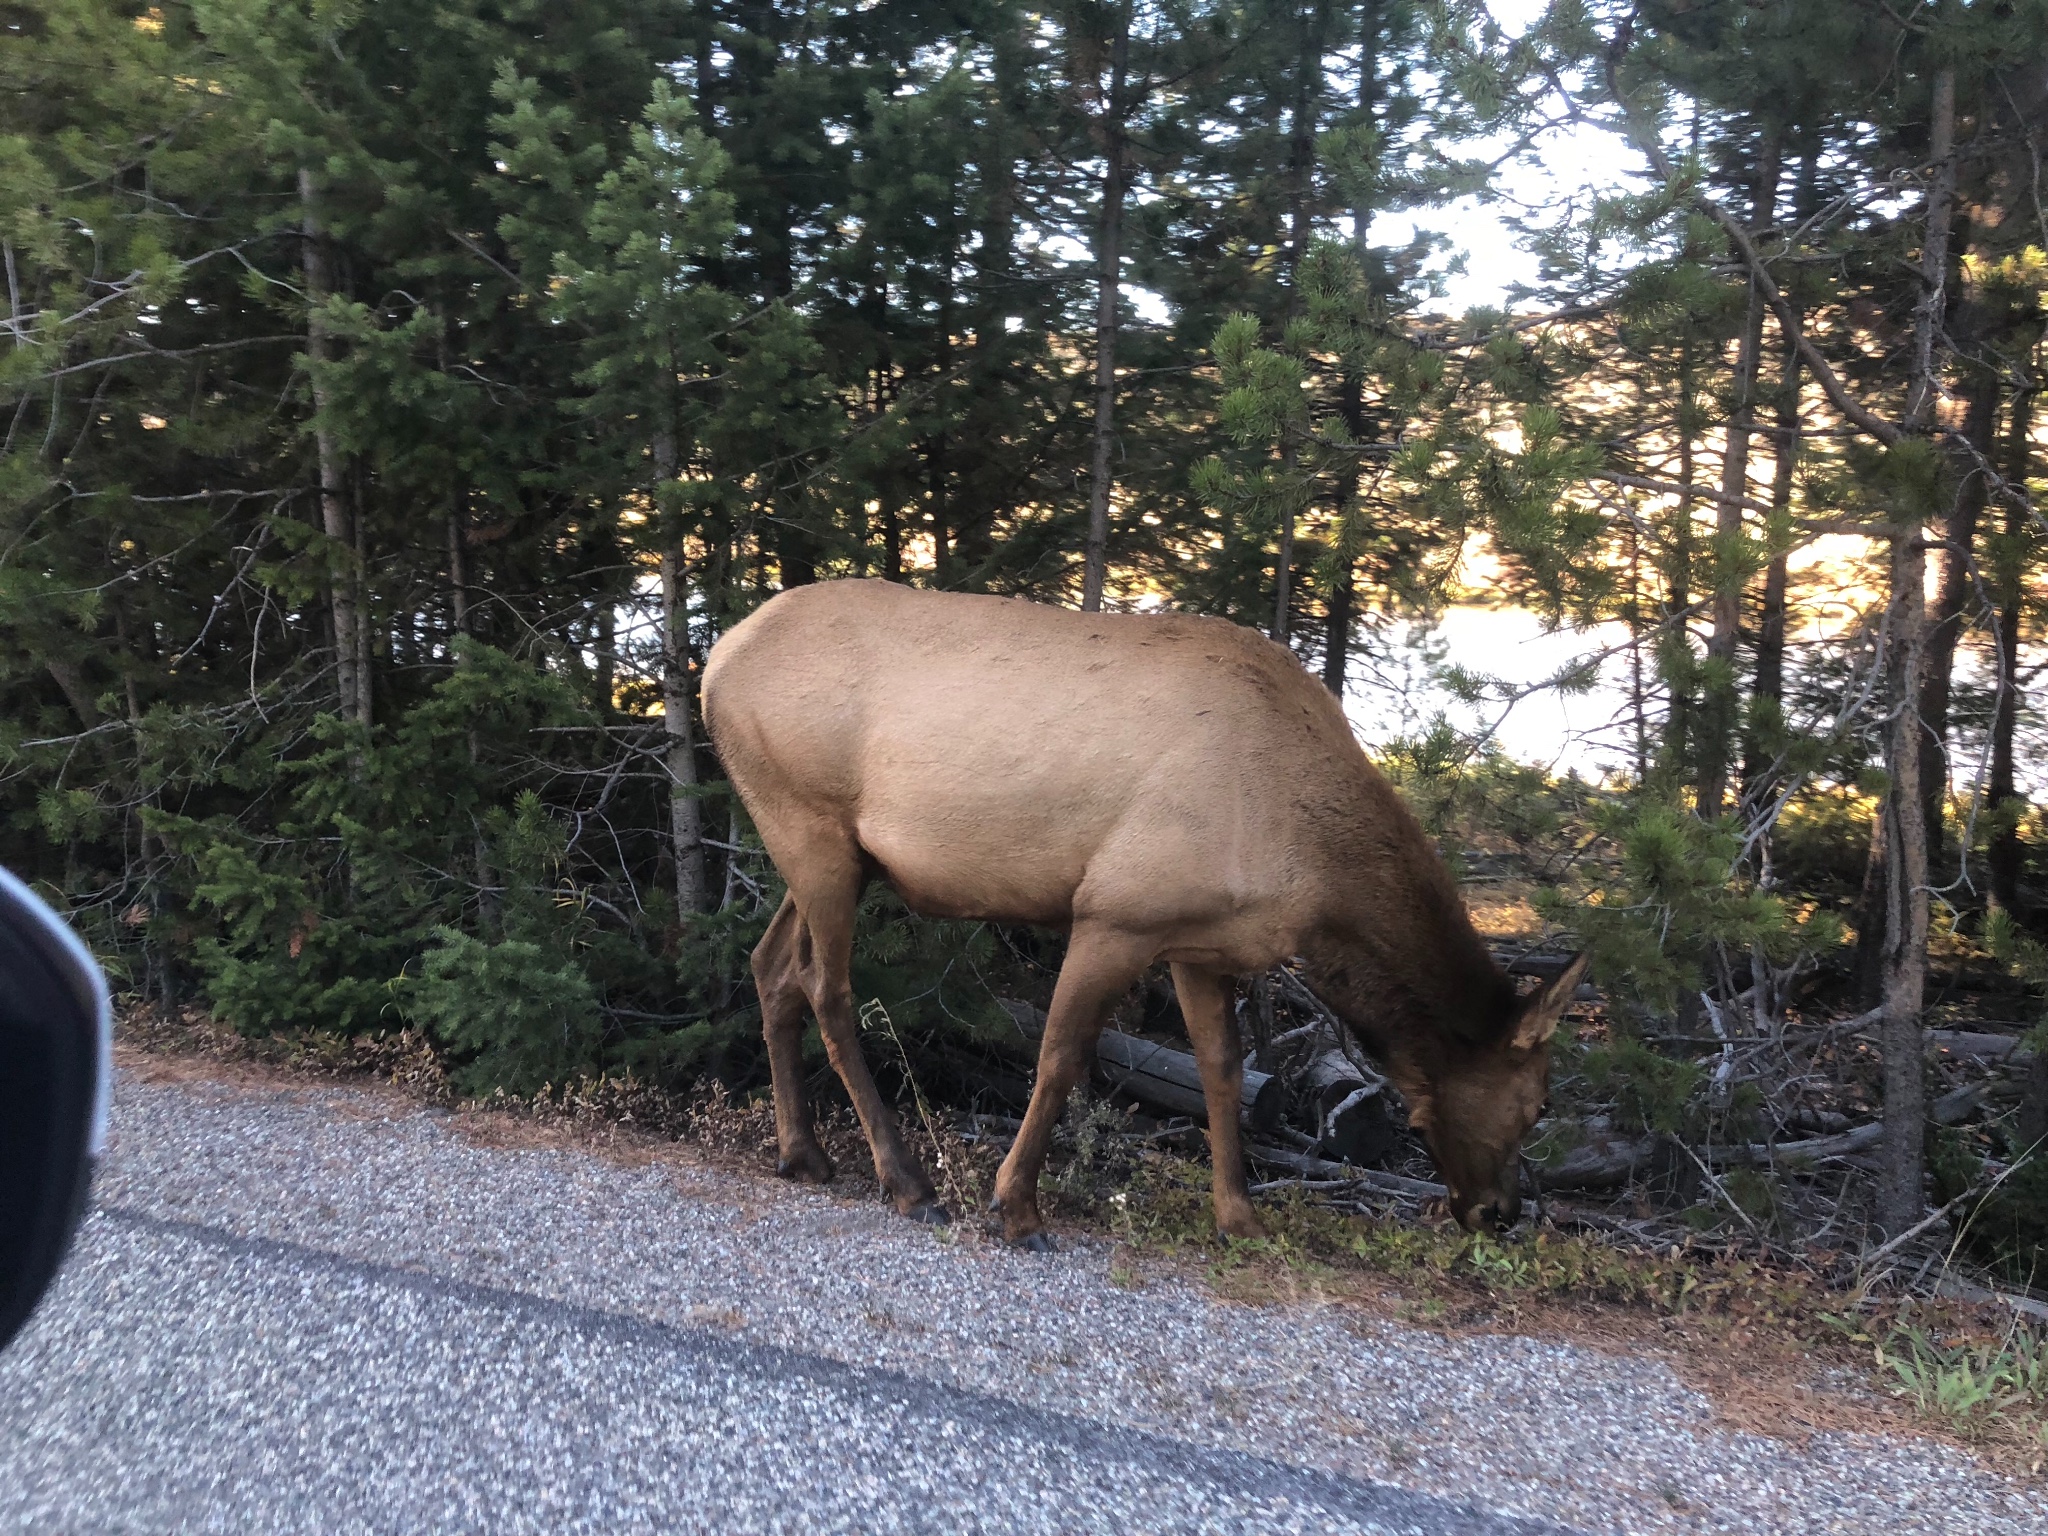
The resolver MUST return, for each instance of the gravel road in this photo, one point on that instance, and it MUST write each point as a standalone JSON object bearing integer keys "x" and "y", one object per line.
{"x": 324, "y": 1309}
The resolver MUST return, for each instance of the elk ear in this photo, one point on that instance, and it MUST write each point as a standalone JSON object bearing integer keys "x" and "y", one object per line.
{"x": 1540, "y": 1011}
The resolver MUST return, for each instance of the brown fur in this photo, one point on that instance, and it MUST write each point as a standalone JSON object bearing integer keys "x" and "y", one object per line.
{"x": 1165, "y": 788}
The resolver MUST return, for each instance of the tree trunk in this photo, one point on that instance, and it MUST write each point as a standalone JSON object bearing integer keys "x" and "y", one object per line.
{"x": 1283, "y": 559}
{"x": 1108, "y": 284}
{"x": 72, "y": 683}
{"x": 154, "y": 978}
{"x": 1770, "y": 634}
{"x": 458, "y": 574}
{"x": 335, "y": 522}
{"x": 1638, "y": 702}
{"x": 1343, "y": 599}
{"x": 1301, "y": 147}
{"x": 1874, "y": 905}
{"x": 686, "y": 809}
{"x": 1337, "y": 622}
{"x": 937, "y": 467}
{"x": 1770, "y": 629}
{"x": 366, "y": 629}
{"x": 1301, "y": 158}
{"x": 2005, "y": 855}
{"x": 1952, "y": 597}
{"x": 1903, "y": 972}
{"x": 1901, "y": 1190}
{"x": 1678, "y": 717}
{"x": 1717, "y": 727}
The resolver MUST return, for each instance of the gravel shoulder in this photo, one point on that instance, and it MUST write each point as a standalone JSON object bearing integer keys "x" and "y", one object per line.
{"x": 782, "y": 1284}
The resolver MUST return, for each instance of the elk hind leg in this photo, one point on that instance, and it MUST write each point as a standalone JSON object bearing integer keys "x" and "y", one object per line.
{"x": 1205, "y": 1004}
{"x": 827, "y": 898}
{"x": 781, "y": 989}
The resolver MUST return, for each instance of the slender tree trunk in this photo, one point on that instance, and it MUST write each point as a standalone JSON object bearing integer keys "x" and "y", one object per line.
{"x": 1953, "y": 594}
{"x": 366, "y": 629}
{"x": 794, "y": 563}
{"x": 1343, "y": 583}
{"x": 1283, "y": 559}
{"x": 334, "y": 515}
{"x": 1108, "y": 276}
{"x": 936, "y": 467}
{"x": 1301, "y": 148}
{"x": 1901, "y": 1190}
{"x": 1770, "y": 640}
{"x": 608, "y": 656}
{"x": 1770, "y": 629}
{"x": 458, "y": 573}
{"x": 1638, "y": 693}
{"x": 1337, "y": 617}
{"x": 458, "y": 624}
{"x": 1717, "y": 727}
{"x": 892, "y": 540}
{"x": 2005, "y": 856}
{"x": 1337, "y": 623}
{"x": 686, "y": 808}
{"x": 1677, "y": 663}
{"x": 1301, "y": 159}
{"x": 149, "y": 847}
{"x": 1903, "y": 973}
{"x": 73, "y": 685}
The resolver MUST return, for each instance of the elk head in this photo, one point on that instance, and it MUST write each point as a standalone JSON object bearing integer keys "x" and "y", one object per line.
{"x": 1474, "y": 1103}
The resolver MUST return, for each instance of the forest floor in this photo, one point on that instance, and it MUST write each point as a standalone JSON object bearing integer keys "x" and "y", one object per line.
{"x": 1488, "y": 1399}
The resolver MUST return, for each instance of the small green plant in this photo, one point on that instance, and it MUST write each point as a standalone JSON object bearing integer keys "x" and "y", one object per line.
{"x": 517, "y": 1007}
{"x": 1650, "y": 1092}
{"x": 1974, "y": 1386}
{"x": 1097, "y": 1167}
{"x": 1499, "y": 1265}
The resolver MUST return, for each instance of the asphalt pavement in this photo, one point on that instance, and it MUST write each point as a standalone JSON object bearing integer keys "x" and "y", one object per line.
{"x": 186, "y": 1379}
{"x": 324, "y": 1309}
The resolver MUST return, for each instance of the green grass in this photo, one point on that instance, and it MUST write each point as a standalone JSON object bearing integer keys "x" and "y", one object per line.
{"x": 1977, "y": 1387}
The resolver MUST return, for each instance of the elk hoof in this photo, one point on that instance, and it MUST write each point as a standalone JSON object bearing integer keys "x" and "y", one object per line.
{"x": 930, "y": 1213}
{"x": 1035, "y": 1242}
{"x": 806, "y": 1165}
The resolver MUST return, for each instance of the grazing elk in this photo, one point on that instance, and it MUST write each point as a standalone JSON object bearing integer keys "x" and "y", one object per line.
{"x": 1162, "y": 787}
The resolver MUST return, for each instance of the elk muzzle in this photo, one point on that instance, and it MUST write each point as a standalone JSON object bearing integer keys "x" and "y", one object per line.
{"x": 1494, "y": 1213}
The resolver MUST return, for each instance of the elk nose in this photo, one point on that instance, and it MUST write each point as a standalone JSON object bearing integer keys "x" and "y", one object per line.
{"x": 1494, "y": 1216}
{"x": 1482, "y": 1218}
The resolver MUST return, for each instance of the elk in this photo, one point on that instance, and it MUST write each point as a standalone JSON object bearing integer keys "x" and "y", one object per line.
{"x": 1163, "y": 787}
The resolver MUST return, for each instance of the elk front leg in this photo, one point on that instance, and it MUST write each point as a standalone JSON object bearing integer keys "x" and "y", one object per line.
{"x": 1205, "y": 1004}
{"x": 1100, "y": 967}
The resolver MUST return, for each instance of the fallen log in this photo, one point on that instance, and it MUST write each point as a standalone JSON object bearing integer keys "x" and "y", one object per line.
{"x": 1353, "y": 1121}
{"x": 1602, "y": 1161}
{"x": 1949, "y": 1109}
{"x": 1161, "y": 1076}
{"x": 1985, "y": 1047}
{"x": 1605, "y": 1158}
{"x": 1958, "y": 1104}
{"x": 1964, "y": 1290}
{"x": 1812, "y": 1150}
